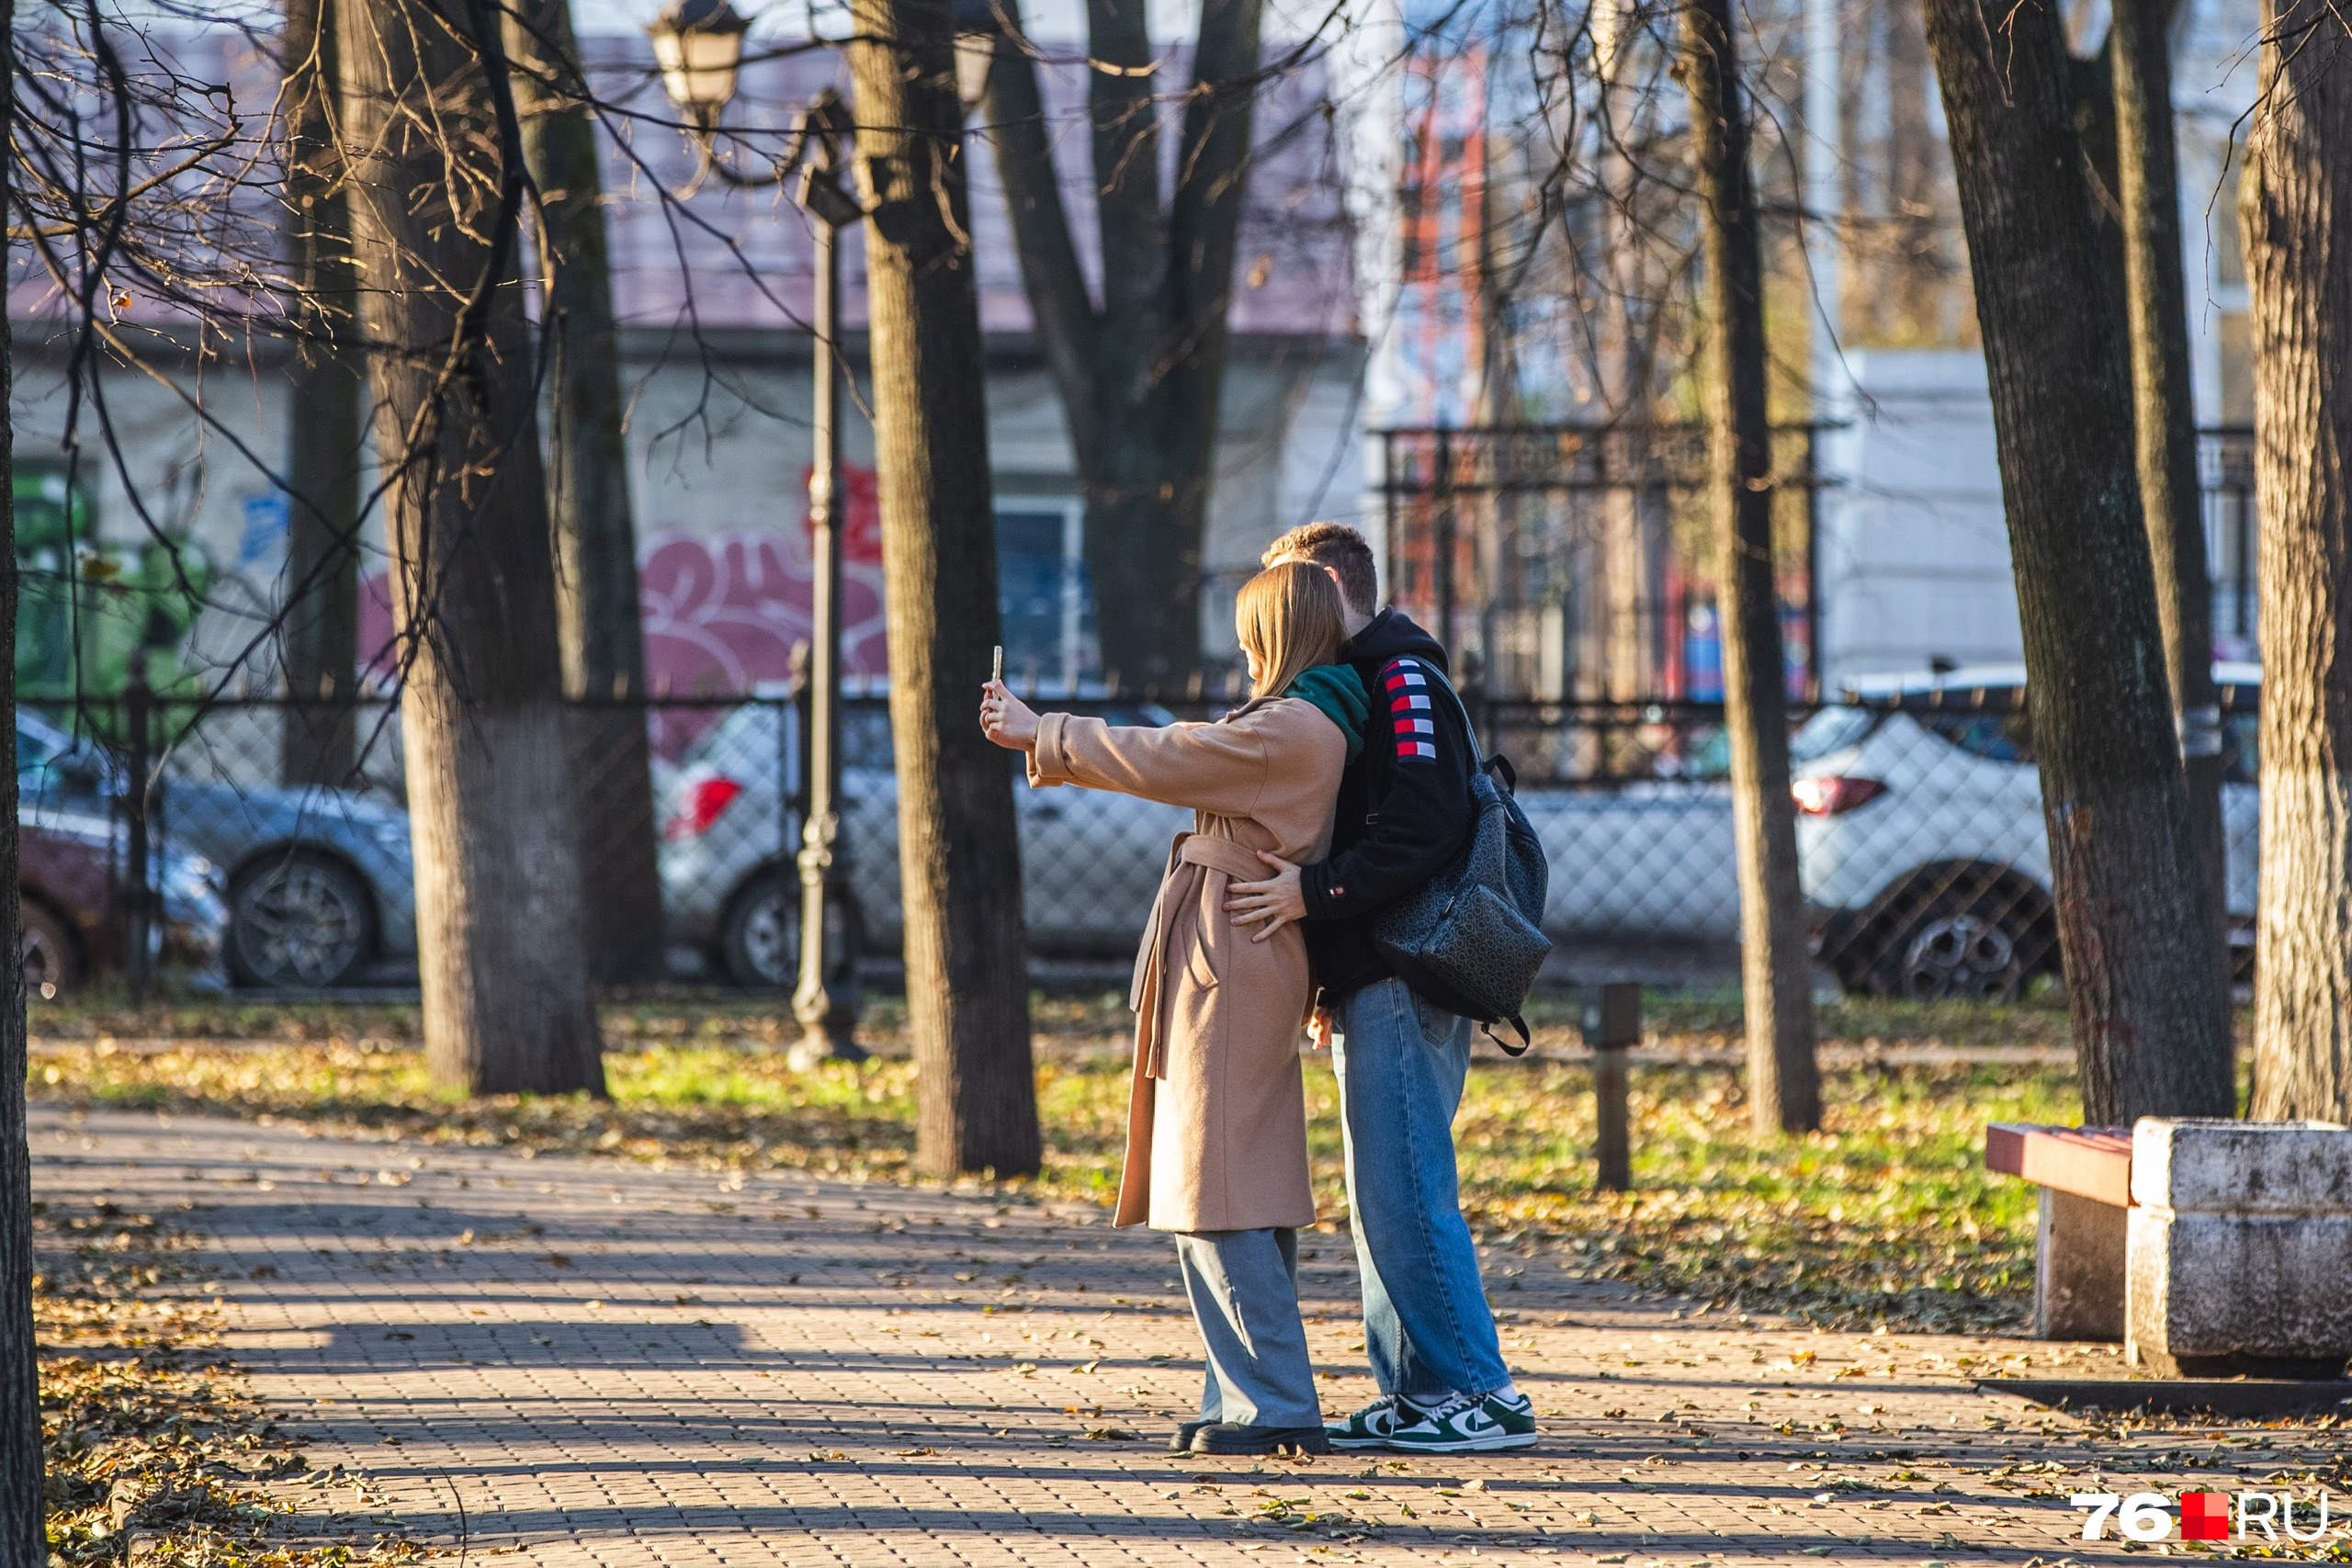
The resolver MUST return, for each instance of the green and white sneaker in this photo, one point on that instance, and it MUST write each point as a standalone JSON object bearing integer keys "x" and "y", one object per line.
{"x": 1370, "y": 1428}
{"x": 1467, "y": 1423}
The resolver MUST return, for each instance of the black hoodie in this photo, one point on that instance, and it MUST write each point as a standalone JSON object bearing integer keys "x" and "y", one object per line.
{"x": 1404, "y": 802}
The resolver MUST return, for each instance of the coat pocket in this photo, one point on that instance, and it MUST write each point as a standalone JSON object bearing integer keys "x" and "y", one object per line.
{"x": 1197, "y": 966}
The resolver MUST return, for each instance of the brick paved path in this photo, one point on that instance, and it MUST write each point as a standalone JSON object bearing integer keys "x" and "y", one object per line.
{"x": 602, "y": 1364}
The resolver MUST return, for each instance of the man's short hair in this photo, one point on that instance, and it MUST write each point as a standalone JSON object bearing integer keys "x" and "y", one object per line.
{"x": 1338, "y": 548}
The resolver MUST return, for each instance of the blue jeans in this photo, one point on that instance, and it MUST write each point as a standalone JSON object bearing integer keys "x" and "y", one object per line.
{"x": 1426, "y": 1324}
{"x": 1244, "y": 1289}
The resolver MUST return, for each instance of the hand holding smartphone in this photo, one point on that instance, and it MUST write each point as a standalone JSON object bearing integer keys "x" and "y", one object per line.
{"x": 1004, "y": 718}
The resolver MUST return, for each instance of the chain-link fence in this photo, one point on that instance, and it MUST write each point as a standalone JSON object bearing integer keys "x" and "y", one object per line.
{"x": 1924, "y": 858}
{"x": 1925, "y": 862}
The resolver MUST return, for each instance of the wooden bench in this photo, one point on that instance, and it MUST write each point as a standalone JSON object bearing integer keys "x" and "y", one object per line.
{"x": 2084, "y": 1174}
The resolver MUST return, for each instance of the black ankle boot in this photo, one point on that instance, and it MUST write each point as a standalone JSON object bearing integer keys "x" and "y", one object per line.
{"x": 1233, "y": 1438}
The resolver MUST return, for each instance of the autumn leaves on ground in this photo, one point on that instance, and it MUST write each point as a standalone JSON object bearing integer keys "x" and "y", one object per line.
{"x": 155, "y": 1450}
{"x": 1886, "y": 1215}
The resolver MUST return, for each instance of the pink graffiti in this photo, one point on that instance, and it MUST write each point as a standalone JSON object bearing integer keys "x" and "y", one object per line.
{"x": 724, "y": 610}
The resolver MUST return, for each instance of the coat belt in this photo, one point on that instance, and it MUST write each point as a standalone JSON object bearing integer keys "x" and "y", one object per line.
{"x": 1239, "y": 864}
{"x": 1237, "y": 861}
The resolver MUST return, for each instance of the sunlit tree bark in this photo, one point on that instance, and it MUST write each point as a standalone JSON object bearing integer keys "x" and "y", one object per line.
{"x": 437, "y": 190}
{"x": 959, "y": 856}
{"x": 2295, "y": 207}
{"x": 2134, "y": 928}
{"x": 1776, "y": 965}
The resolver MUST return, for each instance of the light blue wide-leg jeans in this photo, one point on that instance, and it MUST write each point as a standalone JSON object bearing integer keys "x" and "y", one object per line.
{"x": 1244, "y": 1289}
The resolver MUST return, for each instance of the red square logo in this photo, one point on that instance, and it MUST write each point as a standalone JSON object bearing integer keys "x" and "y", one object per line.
{"x": 2204, "y": 1516}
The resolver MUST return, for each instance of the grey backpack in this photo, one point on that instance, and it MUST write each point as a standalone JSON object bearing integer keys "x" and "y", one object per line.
{"x": 1471, "y": 938}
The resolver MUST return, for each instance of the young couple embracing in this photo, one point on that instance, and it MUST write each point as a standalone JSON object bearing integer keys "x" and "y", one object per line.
{"x": 1342, "y": 785}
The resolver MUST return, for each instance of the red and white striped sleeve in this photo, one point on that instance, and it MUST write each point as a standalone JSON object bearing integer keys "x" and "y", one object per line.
{"x": 1408, "y": 711}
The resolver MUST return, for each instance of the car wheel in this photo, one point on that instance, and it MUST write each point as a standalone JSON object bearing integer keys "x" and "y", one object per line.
{"x": 1956, "y": 949}
{"x": 299, "y": 922}
{"x": 759, "y": 942}
{"x": 50, "y": 958}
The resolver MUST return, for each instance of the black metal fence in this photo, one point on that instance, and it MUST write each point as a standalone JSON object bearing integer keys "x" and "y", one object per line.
{"x": 1575, "y": 562}
{"x": 1920, "y": 832}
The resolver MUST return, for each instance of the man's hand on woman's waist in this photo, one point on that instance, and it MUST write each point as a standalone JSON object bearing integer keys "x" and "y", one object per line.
{"x": 1275, "y": 902}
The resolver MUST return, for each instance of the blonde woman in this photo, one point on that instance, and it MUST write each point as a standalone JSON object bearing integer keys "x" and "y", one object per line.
{"x": 1217, "y": 1114}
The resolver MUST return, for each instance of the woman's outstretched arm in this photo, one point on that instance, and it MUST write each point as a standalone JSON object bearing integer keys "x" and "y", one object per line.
{"x": 1219, "y": 768}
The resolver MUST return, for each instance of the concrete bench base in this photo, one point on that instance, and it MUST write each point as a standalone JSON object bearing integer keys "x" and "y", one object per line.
{"x": 2239, "y": 1247}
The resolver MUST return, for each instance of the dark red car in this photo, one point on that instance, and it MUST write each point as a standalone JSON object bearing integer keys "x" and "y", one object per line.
{"x": 72, "y": 928}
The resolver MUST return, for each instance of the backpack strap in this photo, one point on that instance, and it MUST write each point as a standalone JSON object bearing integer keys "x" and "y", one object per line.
{"x": 1497, "y": 767}
{"x": 1526, "y": 1039}
{"x": 1479, "y": 763}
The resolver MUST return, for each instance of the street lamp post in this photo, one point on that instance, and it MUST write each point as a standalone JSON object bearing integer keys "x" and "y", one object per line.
{"x": 698, "y": 44}
{"x": 826, "y": 1003}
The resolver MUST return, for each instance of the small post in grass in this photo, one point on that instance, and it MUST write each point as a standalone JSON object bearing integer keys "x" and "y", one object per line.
{"x": 1613, "y": 1024}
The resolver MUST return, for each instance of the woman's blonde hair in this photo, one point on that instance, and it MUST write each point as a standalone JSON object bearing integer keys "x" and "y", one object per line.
{"x": 1290, "y": 618}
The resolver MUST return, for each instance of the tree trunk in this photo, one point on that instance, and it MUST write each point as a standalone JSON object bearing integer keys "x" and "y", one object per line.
{"x": 2295, "y": 205}
{"x": 1776, "y": 967}
{"x": 437, "y": 196}
{"x": 967, "y": 989}
{"x": 2134, "y": 925}
{"x": 322, "y": 420}
{"x": 24, "y": 1541}
{"x": 600, "y": 624}
{"x": 2165, "y": 427}
{"x": 1141, "y": 382}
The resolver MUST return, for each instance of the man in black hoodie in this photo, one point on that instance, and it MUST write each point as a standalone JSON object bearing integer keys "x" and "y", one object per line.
{"x": 1404, "y": 812}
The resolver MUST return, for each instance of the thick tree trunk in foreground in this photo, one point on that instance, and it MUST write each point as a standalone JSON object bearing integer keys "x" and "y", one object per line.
{"x": 600, "y": 623}
{"x": 2134, "y": 924}
{"x": 2164, "y": 425}
{"x": 2295, "y": 203}
{"x": 436, "y": 193}
{"x": 1141, "y": 381}
{"x": 1776, "y": 967}
{"x": 967, "y": 986}
{"x": 322, "y": 420}
{"x": 23, "y": 1543}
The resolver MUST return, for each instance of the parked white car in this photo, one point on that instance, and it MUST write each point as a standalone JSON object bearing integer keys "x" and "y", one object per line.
{"x": 1920, "y": 831}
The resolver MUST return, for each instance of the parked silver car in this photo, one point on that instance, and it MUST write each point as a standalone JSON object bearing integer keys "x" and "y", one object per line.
{"x": 1090, "y": 861}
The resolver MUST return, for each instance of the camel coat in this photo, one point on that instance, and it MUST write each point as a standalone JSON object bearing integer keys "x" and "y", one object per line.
{"x": 1217, "y": 1113}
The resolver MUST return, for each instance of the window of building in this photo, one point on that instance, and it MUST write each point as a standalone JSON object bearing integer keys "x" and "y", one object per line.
{"x": 1042, "y": 587}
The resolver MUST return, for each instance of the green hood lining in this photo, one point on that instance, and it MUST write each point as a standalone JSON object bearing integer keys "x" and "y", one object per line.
{"x": 1336, "y": 691}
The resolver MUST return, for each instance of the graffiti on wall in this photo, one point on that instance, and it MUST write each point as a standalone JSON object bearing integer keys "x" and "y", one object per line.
{"x": 723, "y": 611}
